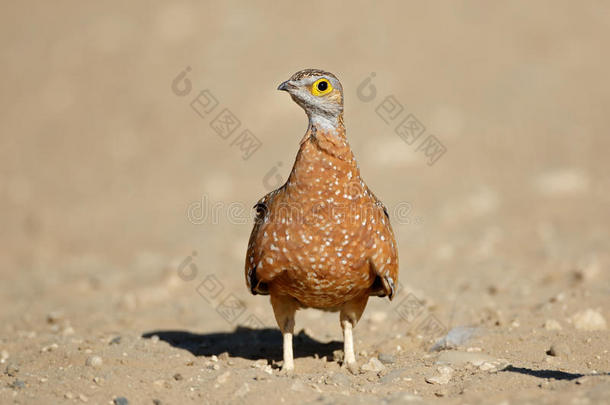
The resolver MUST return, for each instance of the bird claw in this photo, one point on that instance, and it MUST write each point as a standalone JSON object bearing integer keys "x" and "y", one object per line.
{"x": 352, "y": 367}
{"x": 286, "y": 371}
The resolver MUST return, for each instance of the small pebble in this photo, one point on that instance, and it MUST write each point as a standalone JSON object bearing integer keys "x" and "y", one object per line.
{"x": 121, "y": 401}
{"x": 551, "y": 324}
{"x": 589, "y": 320}
{"x": 338, "y": 356}
{"x": 94, "y": 361}
{"x": 162, "y": 384}
{"x": 559, "y": 350}
{"x": 338, "y": 379}
{"x": 558, "y": 298}
{"x": 443, "y": 377}
{"x": 4, "y": 356}
{"x": 456, "y": 337}
{"x": 69, "y": 395}
{"x": 224, "y": 356}
{"x": 178, "y": 377}
{"x": 373, "y": 365}
{"x": 12, "y": 370}
{"x": 115, "y": 340}
{"x": 387, "y": 358}
{"x": 54, "y": 317}
{"x": 83, "y": 398}
{"x": 49, "y": 348}
{"x": 588, "y": 269}
{"x": 487, "y": 366}
{"x": 18, "y": 384}
{"x": 259, "y": 363}
{"x": 157, "y": 402}
{"x": 392, "y": 377}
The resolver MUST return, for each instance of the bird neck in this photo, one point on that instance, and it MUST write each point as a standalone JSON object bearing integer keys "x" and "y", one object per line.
{"x": 326, "y": 123}
{"x": 328, "y": 134}
{"x": 324, "y": 160}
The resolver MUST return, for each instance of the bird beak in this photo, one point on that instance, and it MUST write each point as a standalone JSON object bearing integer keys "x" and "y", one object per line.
{"x": 287, "y": 86}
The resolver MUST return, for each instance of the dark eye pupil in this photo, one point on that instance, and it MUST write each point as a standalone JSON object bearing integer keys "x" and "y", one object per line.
{"x": 322, "y": 86}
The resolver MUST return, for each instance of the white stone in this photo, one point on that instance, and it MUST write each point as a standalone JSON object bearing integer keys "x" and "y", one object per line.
{"x": 551, "y": 324}
{"x": 94, "y": 361}
{"x": 444, "y": 376}
{"x": 373, "y": 365}
{"x": 589, "y": 320}
{"x": 49, "y": 348}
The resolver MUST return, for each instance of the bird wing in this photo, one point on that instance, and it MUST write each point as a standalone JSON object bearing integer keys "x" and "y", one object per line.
{"x": 383, "y": 258}
{"x": 255, "y": 253}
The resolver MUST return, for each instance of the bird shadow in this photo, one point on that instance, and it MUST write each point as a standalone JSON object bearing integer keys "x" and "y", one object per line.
{"x": 247, "y": 343}
{"x": 549, "y": 374}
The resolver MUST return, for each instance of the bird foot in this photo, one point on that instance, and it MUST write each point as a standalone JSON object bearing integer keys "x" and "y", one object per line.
{"x": 352, "y": 367}
{"x": 287, "y": 370}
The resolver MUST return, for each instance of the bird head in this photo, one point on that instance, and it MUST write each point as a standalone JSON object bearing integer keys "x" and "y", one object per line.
{"x": 318, "y": 92}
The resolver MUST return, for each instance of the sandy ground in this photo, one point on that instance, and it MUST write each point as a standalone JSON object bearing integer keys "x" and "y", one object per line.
{"x": 125, "y": 216}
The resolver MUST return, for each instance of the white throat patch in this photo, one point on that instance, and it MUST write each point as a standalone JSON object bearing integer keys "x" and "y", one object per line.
{"x": 324, "y": 123}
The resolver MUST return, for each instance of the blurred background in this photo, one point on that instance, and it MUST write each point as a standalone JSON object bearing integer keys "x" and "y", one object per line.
{"x": 101, "y": 161}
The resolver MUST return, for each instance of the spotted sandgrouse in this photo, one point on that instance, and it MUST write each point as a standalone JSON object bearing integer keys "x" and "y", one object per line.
{"x": 322, "y": 240}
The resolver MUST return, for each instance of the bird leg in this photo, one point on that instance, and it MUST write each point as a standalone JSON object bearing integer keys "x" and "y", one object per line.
{"x": 349, "y": 317}
{"x": 284, "y": 308}
{"x": 348, "y": 342}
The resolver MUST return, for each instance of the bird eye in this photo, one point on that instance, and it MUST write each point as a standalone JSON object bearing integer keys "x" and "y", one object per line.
{"x": 321, "y": 87}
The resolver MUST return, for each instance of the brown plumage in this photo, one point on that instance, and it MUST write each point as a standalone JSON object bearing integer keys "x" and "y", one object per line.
{"x": 322, "y": 240}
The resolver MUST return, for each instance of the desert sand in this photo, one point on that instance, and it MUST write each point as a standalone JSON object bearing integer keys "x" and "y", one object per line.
{"x": 126, "y": 209}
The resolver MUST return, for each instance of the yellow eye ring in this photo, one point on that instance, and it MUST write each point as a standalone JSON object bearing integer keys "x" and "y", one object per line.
{"x": 321, "y": 87}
